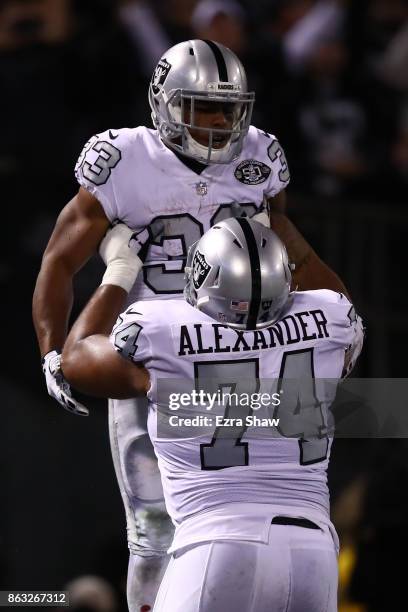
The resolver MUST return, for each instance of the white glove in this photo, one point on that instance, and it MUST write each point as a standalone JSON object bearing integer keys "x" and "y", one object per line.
{"x": 123, "y": 251}
{"x": 238, "y": 211}
{"x": 354, "y": 350}
{"x": 58, "y": 387}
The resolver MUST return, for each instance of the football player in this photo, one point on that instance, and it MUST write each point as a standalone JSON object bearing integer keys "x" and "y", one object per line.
{"x": 251, "y": 509}
{"x": 201, "y": 163}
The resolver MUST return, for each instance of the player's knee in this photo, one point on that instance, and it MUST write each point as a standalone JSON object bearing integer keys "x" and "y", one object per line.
{"x": 154, "y": 531}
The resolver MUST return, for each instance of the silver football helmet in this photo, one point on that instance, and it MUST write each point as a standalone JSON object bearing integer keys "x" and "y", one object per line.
{"x": 200, "y": 71}
{"x": 238, "y": 273}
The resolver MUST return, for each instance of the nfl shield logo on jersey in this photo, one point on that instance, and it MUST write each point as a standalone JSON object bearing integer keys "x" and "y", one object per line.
{"x": 252, "y": 172}
{"x": 201, "y": 188}
{"x": 201, "y": 269}
{"x": 160, "y": 75}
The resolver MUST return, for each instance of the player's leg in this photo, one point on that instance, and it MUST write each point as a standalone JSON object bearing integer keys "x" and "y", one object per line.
{"x": 213, "y": 577}
{"x": 310, "y": 576}
{"x": 143, "y": 580}
{"x": 149, "y": 528}
{"x": 295, "y": 572}
{"x": 222, "y": 576}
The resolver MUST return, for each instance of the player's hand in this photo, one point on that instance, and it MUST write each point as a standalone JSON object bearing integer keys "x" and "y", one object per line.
{"x": 139, "y": 241}
{"x": 123, "y": 251}
{"x": 239, "y": 211}
{"x": 58, "y": 387}
{"x": 119, "y": 238}
{"x": 354, "y": 350}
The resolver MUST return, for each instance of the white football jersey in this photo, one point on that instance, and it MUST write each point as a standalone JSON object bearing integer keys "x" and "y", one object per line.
{"x": 201, "y": 468}
{"x": 137, "y": 179}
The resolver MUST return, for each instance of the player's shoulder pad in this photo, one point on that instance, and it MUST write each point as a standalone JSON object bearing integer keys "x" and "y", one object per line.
{"x": 132, "y": 331}
{"x": 100, "y": 160}
{"x": 341, "y": 310}
{"x": 263, "y": 150}
{"x": 323, "y": 296}
{"x": 257, "y": 140}
{"x": 119, "y": 138}
{"x": 152, "y": 315}
{"x": 138, "y": 311}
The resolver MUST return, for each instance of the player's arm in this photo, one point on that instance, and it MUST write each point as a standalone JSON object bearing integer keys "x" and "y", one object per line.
{"x": 79, "y": 229}
{"x": 278, "y": 202}
{"x": 310, "y": 271}
{"x": 89, "y": 361}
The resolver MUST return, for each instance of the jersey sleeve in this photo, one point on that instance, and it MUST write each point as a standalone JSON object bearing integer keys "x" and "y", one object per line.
{"x": 348, "y": 330}
{"x": 96, "y": 166}
{"x": 354, "y": 349}
{"x": 275, "y": 158}
{"x": 130, "y": 335}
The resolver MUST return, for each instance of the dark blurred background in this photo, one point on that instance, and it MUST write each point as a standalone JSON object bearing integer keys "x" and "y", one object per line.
{"x": 331, "y": 80}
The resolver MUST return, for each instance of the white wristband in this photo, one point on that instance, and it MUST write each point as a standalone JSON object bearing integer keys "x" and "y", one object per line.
{"x": 122, "y": 273}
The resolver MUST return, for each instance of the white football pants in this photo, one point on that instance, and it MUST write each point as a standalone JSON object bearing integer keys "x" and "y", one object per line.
{"x": 295, "y": 572}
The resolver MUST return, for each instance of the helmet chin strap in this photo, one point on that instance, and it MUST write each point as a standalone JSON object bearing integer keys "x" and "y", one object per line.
{"x": 201, "y": 151}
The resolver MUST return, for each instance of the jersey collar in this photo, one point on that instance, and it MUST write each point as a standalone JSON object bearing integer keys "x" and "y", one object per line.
{"x": 192, "y": 164}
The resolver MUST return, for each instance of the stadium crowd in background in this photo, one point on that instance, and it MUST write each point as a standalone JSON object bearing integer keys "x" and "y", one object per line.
{"x": 329, "y": 75}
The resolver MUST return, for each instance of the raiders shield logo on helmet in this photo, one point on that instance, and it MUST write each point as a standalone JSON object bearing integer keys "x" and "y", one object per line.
{"x": 201, "y": 270}
{"x": 160, "y": 75}
{"x": 252, "y": 172}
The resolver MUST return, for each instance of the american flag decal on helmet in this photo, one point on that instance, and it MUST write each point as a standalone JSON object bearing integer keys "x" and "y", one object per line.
{"x": 239, "y": 306}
